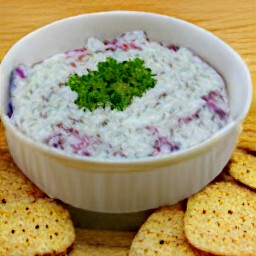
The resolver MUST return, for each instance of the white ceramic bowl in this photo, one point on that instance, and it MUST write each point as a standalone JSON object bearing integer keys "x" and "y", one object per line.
{"x": 129, "y": 186}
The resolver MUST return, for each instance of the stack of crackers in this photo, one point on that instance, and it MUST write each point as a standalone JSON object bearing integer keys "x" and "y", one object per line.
{"x": 218, "y": 220}
{"x": 31, "y": 224}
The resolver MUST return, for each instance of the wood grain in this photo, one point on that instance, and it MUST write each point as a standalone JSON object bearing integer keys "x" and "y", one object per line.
{"x": 233, "y": 21}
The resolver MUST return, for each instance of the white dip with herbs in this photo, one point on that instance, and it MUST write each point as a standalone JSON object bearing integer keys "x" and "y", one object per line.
{"x": 188, "y": 104}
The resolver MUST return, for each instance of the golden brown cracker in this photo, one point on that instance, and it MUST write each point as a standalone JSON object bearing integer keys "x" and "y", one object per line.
{"x": 247, "y": 139}
{"x": 13, "y": 184}
{"x": 163, "y": 234}
{"x": 221, "y": 219}
{"x": 30, "y": 223}
{"x": 42, "y": 227}
{"x": 243, "y": 168}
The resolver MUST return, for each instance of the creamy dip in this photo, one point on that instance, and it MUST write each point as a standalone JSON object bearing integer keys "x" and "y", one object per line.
{"x": 188, "y": 104}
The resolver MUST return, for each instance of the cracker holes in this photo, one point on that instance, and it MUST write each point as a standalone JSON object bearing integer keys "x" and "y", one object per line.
{"x": 161, "y": 242}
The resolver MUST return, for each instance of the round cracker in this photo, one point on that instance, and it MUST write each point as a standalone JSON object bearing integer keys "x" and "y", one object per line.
{"x": 30, "y": 223}
{"x": 14, "y": 186}
{"x": 247, "y": 138}
{"x": 221, "y": 219}
{"x": 42, "y": 227}
{"x": 243, "y": 168}
{"x": 163, "y": 234}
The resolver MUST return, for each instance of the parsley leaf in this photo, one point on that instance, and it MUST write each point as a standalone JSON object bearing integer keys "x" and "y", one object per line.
{"x": 114, "y": 84}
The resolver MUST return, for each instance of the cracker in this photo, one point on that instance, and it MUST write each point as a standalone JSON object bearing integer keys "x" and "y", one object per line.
{"x": 247, "y": 138}
{"x": 30, "y": 223}
{"x": 42, "y": 227}
{"x": 221, "y": 219}
{"x": 163, "y": 234}
{"x": 243, "y": 168}
{"x": 14, "y": 185}
{"x": 3, "y": 144}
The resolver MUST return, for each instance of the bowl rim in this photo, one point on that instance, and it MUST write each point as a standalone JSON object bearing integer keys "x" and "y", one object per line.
{"x": 155, "y": 161}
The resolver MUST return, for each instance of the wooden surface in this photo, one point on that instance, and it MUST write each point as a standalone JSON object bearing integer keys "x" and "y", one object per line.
{"x": 233, "y": 21}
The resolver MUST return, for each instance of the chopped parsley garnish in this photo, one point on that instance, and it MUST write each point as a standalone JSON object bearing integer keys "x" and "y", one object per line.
{"x": 114, "y": 84}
